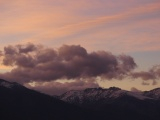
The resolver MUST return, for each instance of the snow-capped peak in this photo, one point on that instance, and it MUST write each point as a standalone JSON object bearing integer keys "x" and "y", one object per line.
{"x": 98, "y": 94}
{"x": 95, "y": 93}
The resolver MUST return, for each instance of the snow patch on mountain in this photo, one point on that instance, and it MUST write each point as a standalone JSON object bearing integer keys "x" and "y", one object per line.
{"x": 96, "y": 94}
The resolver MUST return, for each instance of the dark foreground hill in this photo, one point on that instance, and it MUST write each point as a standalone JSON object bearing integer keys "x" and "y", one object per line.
{"x": 20, "y": 103}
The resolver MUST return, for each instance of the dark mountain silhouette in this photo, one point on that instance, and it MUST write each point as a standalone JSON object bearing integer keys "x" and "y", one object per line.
{"x": 20, "y": 103}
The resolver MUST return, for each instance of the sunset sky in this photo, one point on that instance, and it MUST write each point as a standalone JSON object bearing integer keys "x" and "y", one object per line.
{"x": 82, "y": 35}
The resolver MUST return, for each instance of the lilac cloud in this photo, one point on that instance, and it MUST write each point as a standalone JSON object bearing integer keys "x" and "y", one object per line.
{"x": 152, "y": 74}
{"x": 38, "y": 63}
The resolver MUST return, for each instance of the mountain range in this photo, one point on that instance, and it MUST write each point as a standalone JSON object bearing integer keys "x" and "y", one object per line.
{"x": 116, "y": 104}
{"x": 20, "y": 103}
{"x": 96, "y": 95}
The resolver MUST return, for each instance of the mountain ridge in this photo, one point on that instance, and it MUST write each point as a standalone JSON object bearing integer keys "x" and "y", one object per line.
{"x": 112, "y": 92}
{"x": 18, "y": 102}
{"x": 116, "y": 102}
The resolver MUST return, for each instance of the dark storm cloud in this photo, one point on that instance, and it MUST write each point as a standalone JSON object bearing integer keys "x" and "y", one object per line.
{"x": 57, "y": 88}
{"x": 37, "y": 63}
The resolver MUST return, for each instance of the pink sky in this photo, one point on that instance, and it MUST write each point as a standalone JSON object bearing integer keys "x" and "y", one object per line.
{"x": 121, "y": 26}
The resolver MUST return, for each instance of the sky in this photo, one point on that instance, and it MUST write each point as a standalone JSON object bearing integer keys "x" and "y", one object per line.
{"x": 57, "y": 45}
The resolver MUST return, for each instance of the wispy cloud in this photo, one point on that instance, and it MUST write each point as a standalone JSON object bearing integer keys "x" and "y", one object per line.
{"x": 89, "y": 24}
{"x": 110, "y": 22}
{"x": 55, "y": 21}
